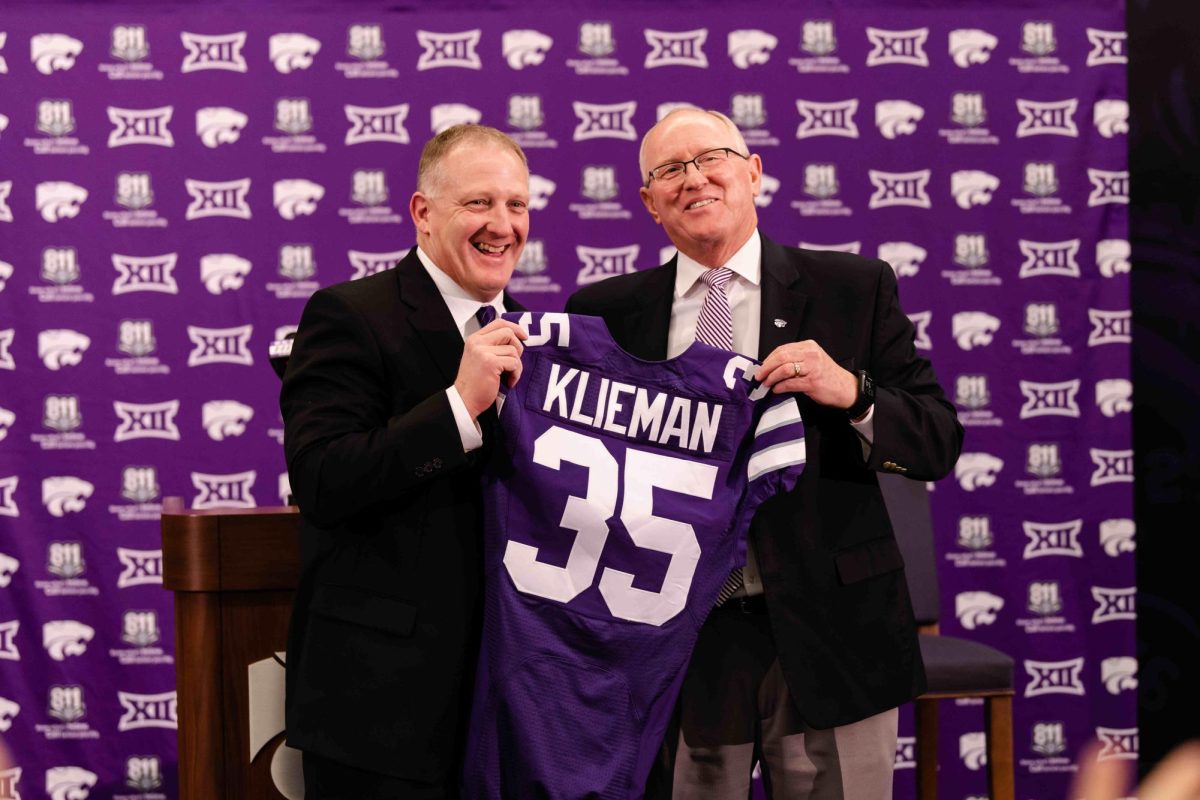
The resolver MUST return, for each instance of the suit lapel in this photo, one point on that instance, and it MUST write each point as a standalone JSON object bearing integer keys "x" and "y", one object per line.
{"x": 783, "y": 302}
{"x": 429, "y": 317}
{"x": 643, "y": 329}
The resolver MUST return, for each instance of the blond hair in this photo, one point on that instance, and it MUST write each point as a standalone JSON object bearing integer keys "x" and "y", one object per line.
{"x": 435, "y": 151}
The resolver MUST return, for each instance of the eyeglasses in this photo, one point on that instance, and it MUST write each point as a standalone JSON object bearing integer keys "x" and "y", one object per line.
{"x": 707, "y": 161}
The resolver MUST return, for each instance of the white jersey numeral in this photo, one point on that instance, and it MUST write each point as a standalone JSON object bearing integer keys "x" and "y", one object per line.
{"x": 588, "y": 517}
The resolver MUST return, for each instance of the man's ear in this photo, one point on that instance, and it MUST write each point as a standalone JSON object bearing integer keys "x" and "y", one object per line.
{"x": 648, "y": 202}
{"x": 418, "y": 208}
{"x": 756, "y": 173}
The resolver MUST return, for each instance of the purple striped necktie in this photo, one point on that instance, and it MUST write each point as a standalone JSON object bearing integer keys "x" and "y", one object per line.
{"x": 714, "y": 326}
{"x": 485, "y": 315}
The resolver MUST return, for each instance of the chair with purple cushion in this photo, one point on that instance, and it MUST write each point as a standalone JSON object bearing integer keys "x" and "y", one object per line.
{"x": 954, "y": 667}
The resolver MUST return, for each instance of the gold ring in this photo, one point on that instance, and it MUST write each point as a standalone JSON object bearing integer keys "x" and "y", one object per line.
{"x": 795, "y": 369}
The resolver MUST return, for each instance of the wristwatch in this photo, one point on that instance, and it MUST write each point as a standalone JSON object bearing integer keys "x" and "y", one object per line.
{"x": 866, "y": 395}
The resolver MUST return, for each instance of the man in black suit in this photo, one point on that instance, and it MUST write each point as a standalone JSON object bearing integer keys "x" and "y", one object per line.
{"x": 386, "y": 401}
{"x": 804, "y": 667}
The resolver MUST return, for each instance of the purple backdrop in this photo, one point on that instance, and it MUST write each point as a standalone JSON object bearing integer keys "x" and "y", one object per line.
{"x": 175, "y": 182}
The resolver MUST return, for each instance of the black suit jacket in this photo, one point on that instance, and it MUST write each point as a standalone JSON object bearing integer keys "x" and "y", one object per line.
{"x": 385, "y": 627}
{"x": 831, "y": 570}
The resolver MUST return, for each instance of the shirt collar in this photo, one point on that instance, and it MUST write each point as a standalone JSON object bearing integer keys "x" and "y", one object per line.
{"x": 461, "y": 304}
{"x": 746, "y": 263}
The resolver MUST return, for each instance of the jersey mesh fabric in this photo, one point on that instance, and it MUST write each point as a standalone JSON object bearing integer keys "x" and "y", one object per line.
{"x": 609, "y": 531}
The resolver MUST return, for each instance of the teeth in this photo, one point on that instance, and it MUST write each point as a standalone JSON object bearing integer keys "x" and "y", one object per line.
{"x": 483, "y": 247}
{"x": 700, "y": 203}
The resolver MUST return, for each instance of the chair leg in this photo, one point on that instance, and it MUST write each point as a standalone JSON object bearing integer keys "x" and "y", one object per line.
{"x": 926, "y": 719}
{"x": 997, "y": 713}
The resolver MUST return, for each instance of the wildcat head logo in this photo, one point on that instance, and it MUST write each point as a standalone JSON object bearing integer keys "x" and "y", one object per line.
{"x": 69, "y": 783}
{"x": 977, "y": 470}
{"x": 1114, "y": 396}
{"x": 53, "y": 51}
{"x": 973, "y": 329}
{"x": 972, "y": 749}
{"x": 59, "y": 200}
{"x": 970, "y": 46}
{"x": 65, "y": 494}
{"x": 972, "y": 187}
{"x": 1116, "y": 536}
{"x": 767, "y": 188}
{"x": 976, "y": 609}
{"x": 218, "y": 125}
{"x": 297, "y": 197}
{"x": 1111, "y": 117}
{"x": 292, "y": 52}
{"x": 1119, "y": 674}
{"x": 525, "y": 48}
{"x": 8, "y": 712}
{"x": 1112, "y": 257}
{"x": 8, "y": 568}
{"x": 540, "y": 190}
{"x": 59, "y": 347}
{"x": 897, "y": 117}
{"x": 905, "y": 258}
{"x": 225, "y": 418}
{"x": 63, "y": 638}
{"x": 749, "y": 48}
{"x": 223, "y": 272}
{"x": 447, "y": 115}
{"x": 6, "y": 272}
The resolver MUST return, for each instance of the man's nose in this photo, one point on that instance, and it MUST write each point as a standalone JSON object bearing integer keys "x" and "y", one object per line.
{"x": 692, "y": 176}
{"x": 499, "y": 219}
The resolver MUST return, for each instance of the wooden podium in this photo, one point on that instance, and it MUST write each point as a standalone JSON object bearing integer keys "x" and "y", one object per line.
{"x": 233, "y": 572}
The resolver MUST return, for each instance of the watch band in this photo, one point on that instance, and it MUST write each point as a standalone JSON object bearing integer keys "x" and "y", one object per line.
{"x": 866, "y": 395}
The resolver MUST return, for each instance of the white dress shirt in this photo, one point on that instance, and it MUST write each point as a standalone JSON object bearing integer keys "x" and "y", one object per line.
{"x": 462, "y": 307}
{"x": 744, "y": 291}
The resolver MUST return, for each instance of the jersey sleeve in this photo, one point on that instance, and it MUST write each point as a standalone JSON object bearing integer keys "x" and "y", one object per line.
{"x": 774, "y": 457}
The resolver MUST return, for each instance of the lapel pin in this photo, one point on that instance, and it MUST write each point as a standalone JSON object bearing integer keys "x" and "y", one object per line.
{"x": 781, "y": 323}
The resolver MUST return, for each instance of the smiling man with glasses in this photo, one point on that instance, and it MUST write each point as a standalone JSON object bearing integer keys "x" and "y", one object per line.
{"x": 812, "y": 647}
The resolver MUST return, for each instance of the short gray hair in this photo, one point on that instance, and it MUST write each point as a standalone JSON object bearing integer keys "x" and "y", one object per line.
{"x": 738, "y": 139}
{"x": 436, "y": 149}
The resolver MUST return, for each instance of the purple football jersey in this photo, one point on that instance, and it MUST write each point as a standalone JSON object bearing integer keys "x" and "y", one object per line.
{"x": 618, "y": 500}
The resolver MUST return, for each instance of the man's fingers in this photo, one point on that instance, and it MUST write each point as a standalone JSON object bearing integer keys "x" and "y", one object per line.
{"x": 503, "y": 324}
{"x": 513, "y": 375}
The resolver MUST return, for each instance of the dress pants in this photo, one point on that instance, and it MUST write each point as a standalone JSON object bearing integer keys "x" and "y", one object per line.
{"x": 735, "y": 710}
